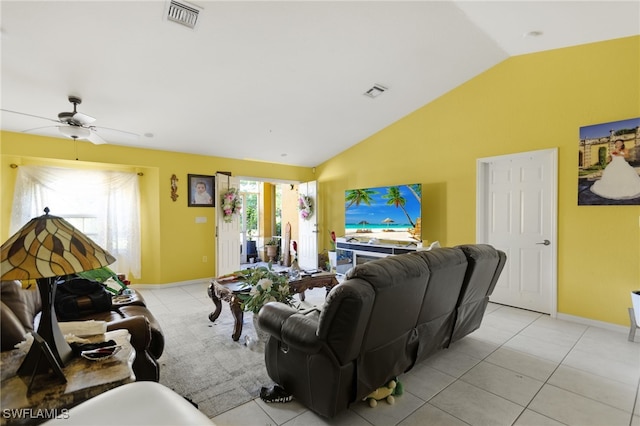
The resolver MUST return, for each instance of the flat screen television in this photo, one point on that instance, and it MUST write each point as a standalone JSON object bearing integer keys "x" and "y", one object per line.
{"x": 385, "y": 213}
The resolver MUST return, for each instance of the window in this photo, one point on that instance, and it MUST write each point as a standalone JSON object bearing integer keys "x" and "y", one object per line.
{"x": 104, "y": 205}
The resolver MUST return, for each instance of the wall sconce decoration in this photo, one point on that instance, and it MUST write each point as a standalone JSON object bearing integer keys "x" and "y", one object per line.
{"x": 174, "y": 187}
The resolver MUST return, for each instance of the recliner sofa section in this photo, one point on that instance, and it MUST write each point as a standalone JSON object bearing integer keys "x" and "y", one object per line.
{"x": 383, "y": 319}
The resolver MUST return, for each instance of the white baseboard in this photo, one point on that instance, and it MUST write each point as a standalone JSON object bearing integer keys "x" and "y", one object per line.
{"x": 593, "y": 323}
{"x": 168, "y": 285}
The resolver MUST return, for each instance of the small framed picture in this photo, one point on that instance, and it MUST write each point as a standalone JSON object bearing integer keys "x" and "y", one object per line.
{"x": 201, "y": 190}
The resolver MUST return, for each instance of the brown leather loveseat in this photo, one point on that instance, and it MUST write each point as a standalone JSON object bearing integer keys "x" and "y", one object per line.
{"x": 19, "y": 307}
{"x": 386, "y": 316}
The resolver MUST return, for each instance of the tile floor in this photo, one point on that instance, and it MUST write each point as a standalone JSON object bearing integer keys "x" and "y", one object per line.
{"x": 519, "y": 368}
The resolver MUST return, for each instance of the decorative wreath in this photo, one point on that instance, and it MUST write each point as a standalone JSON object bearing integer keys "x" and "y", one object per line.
{"x": 231, "y": 204}
{"x": 305, "y": 207}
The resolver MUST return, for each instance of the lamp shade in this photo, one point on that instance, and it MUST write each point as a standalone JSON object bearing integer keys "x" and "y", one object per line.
{"x": 49, "y": 246}
{"x": 75, "y": 132}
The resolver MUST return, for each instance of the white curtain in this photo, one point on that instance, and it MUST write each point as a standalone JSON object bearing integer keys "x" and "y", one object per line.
{"x": 104, "y": 205}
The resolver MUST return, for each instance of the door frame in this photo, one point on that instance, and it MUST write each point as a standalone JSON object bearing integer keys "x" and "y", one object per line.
{"x": 308, "y": 259}
{"x": 227, "y": 241}
{"x": 482, "y": 204}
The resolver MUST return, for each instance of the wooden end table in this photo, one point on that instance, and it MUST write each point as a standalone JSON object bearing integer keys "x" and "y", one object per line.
{"x": 50, "y": 397}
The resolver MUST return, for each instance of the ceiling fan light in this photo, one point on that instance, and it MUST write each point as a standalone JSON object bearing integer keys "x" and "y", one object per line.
{"x": 75, "y": 132}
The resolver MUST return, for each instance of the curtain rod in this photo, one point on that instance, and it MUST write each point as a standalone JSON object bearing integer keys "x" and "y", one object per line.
{"x": 15, "y": 166}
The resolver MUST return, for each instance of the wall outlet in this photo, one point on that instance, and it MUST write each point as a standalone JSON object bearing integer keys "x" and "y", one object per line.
{"x": 205, "y": 259}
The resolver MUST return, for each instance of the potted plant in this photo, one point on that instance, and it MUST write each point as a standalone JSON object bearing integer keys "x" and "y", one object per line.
{"x": 265, "y": 285}
{"x": 272, "y": 249}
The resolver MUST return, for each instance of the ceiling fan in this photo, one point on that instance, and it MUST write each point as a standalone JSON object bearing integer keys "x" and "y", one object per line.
{"x": 77, "y": 125}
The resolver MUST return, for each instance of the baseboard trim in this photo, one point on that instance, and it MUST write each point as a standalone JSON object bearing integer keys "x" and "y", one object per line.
{"x": 594, "y": 323}
{"x": 168, "y": 285}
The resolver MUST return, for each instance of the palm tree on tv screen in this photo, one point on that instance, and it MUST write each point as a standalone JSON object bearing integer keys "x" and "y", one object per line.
{"x": 357, "y": 196}
{"x": 395, "y": 198}
{"x": 416, "y": 190}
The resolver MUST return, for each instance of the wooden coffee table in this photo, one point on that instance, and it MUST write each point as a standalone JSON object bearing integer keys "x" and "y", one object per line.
{"x": 306, "y": 282}
{"x": 228, "y": 291}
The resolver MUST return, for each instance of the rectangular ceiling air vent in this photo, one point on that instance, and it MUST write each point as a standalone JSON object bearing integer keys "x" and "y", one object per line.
{"x": 183, "y": 14}
{"x": 375, "y": 91}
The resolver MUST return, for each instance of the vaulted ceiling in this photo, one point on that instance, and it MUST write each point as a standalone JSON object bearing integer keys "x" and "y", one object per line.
{"x": 272, "y": 81}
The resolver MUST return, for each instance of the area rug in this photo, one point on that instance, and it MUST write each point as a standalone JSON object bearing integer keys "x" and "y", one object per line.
{"x": 202, "y": 363}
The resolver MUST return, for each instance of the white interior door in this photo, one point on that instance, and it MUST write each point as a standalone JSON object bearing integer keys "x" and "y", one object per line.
{"x": 308, "y": 230}
{"x": 227, "y": 233}
{"x": 517, "y": 213}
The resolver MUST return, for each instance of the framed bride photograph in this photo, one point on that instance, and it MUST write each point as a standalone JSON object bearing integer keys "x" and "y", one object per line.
{"x": 609, "y": 163}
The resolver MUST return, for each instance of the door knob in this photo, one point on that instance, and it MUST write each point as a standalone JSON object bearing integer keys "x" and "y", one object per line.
{"x": 545, "y": 242}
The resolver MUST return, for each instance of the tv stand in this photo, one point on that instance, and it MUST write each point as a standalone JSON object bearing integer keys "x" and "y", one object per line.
{"x": 352, "y": 251}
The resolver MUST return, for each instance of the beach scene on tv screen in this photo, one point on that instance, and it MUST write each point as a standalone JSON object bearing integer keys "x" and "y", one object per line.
{"x": 385, "y": 213}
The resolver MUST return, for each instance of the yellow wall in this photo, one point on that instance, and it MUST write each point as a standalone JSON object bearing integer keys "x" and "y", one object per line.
{"x": 173, "y": 245}
{"x": 526, "y": 103}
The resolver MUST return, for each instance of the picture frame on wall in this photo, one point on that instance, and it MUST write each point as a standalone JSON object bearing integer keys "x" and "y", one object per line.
{"x": 609, "y": 163}
{"x": 201, "y": 190}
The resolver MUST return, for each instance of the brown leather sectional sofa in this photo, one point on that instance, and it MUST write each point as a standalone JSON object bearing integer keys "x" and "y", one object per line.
{"x": 19, "y": 307}
{"x": 384, "y": 318}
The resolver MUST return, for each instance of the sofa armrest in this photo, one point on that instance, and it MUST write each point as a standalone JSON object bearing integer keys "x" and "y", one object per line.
{"x": 299, "y": 331}
{"x": 13, "y": 332}
{"x": 272, "y": 315}
{"x": 290, "y": 326}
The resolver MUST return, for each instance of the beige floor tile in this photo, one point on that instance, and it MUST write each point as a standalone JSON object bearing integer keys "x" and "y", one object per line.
{"x": 452, "y": 363}
{"x": 346, "y": 418}
{"x": 477, "y": 348}
{"x": 539, "y": 348}
{"x": 425, "y": 382}
{"x": 508, "y": 384}
{"x": 531, "y": 418}
{"x": 249, "y": 414}
{"x": 491, "y": 334}
{"x": 531, "y": 366}
{"x": 281, "y": 413}
{"x": 476, "y": 406}
{"x": 573, "y": 409}
{"x": 546, "y": 334}
{"x": 430, "y": 415}
{"x": 602, "y": 389}
{"x": 607, "y": 367}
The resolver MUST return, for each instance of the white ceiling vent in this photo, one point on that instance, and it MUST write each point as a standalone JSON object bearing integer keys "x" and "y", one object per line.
{"x": 183, "y": 13}
{"x": 375, "y": 91}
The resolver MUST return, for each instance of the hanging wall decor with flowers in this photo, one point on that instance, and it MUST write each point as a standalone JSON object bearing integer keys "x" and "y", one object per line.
{"x": 305, "y": 207}
{"x": 231, "y": 204}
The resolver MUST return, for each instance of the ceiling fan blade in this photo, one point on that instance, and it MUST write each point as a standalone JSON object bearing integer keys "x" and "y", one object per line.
{"x": 39, "y": 128}
{"x": 29, "y": 115}
{"x": 83, "y": 119}
{"x": 95, "y": 138}
{"x": 115, "y": 133}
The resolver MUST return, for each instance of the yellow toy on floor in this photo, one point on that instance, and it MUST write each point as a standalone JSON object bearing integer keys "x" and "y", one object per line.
{"x": 394, "y": 387}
